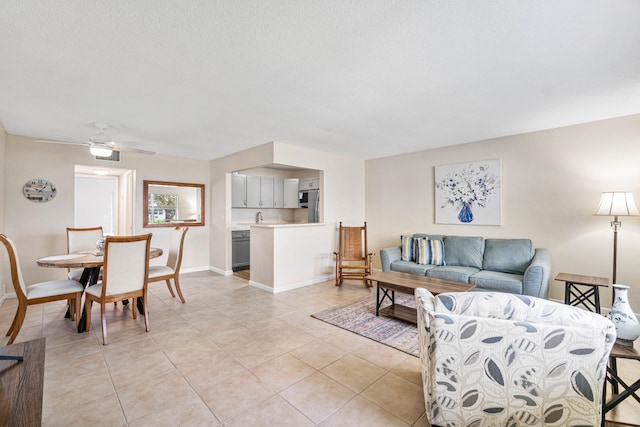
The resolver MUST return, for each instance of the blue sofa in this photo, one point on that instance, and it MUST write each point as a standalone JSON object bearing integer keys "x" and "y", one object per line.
{"x": 502, "y": 265}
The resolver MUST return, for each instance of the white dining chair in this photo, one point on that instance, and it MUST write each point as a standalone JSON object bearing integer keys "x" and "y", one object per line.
{"x": 38, "y": 293}
{"x": 125, "y": 271}
{"x": 82, "y": 239}
{"x": 171, "y": 270}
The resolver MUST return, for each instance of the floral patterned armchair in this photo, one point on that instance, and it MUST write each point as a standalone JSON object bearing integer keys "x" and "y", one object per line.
{"x": 498, "y": 359}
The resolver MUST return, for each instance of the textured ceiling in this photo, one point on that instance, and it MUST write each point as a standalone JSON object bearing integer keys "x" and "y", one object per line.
{"x": 365, "y": 78}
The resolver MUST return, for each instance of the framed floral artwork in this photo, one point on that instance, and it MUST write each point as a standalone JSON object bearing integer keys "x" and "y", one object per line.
{"x": 468, "y": 193}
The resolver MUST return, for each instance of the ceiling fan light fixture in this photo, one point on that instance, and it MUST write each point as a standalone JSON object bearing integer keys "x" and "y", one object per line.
{"x": 100, "y": 150}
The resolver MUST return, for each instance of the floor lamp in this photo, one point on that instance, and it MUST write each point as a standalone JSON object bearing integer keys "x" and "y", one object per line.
{"x": 616, "y": 204}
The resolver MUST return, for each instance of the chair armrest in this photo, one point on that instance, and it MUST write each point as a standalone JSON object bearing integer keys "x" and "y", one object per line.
{"x": 389, "y": 255}
{"x": 536, "y": 276}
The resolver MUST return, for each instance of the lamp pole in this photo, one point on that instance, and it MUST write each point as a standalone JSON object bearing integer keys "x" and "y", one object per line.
{"x": 615, "y": 224}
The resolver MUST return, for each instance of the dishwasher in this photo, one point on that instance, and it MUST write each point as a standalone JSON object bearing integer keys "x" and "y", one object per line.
{"x": 240, "y": 246}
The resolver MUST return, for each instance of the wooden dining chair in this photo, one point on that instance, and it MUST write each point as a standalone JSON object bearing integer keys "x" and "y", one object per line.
{"x": 171, "y": 270}
{"x": 82, "y": 239}
{"x": 125, "y": 272}
{"x": 38, "y": 293}
{"x": 353, "y": 259}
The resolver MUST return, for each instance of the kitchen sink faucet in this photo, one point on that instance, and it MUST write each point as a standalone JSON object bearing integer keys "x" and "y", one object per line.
{"x": 259, "y": 218}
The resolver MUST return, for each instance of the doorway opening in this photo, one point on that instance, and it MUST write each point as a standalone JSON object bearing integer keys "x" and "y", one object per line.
{"x": 104, "y": 196}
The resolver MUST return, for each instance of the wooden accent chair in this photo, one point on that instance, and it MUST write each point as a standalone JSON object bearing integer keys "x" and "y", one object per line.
{"x": 38, "y": 293}
{"x": 172, "y": 269}
{"x": 125, "y": 272}
{"x": 353, "y": 259}
{"x": 82, "y": 239}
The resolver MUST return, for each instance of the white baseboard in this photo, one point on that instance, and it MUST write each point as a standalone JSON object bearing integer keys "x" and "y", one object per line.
{"x": 290, "y": 286}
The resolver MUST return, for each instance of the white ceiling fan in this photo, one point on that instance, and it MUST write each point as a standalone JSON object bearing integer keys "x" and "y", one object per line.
{"x": 102, "y": 145}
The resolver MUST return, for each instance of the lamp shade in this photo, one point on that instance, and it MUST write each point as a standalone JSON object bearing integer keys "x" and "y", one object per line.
{"x": 617, "y": 203}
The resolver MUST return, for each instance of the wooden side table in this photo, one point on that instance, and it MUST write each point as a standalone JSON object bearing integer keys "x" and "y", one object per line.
{"x": 589, "y": 298}
{"x": 619, "y": 352}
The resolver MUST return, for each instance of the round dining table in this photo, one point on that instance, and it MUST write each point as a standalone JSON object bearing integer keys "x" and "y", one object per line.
{"x": 92, "y": 261}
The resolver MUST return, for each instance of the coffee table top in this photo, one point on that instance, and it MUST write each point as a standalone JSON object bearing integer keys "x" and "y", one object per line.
{"x": 407, "y": 283}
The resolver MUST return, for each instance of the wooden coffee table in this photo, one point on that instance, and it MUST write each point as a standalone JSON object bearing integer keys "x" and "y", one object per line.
{"x": 391, "y": 281}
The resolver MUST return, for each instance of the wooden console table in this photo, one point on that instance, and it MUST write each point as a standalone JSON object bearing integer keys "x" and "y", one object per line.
{"x": 21, "y": 384}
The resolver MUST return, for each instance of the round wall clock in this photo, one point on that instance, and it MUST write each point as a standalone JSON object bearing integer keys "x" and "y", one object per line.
{"x": 39, "y": 190}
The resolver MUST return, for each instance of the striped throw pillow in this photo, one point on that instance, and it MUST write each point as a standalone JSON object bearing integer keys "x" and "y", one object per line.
{"x": 407, "y": 248}
{"x": 430, "y": 252}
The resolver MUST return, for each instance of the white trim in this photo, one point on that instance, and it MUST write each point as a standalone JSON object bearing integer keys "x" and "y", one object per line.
{"x": 193, "y": 270}
{"x": 291, "y": 286}
{"x": 222, "y": 272}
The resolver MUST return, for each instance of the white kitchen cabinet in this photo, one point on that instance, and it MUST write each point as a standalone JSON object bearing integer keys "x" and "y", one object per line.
{"x": 238, "y": 191}
{"x": 259, "y": 192}
{"x": 309, "y": 183}
{"x": 278, "y": 193}
{"x": 266, "y": 192}
{"x": 291, "y": 199}
{"x": 253, "y": 191}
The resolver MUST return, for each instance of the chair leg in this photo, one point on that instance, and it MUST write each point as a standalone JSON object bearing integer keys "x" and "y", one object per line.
{"x": 146, "y": 312}
{"x": 20, "y": 314}
{"x": 78, "y": 310}
{"x": 103, "y": 317}
{"x": 13, "y": 323}
{"x": 170, "y": 289}
{"x": 177, "y": 283}
{"x": 134, "y": 309}
{"x": 87, "y": 312}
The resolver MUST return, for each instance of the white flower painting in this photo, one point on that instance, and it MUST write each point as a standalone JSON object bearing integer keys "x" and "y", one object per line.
{"x": 468, "y": 193}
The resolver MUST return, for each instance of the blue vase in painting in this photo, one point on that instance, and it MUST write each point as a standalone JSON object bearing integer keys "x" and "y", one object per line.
{"x": 465, "y": 214}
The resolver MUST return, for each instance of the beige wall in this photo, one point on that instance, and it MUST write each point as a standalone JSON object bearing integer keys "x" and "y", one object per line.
{"x": 39, "y": 229}
{"x": 342, "y": 189}
{"x": 551, "y": 185}
{"x": 3, "y": 260}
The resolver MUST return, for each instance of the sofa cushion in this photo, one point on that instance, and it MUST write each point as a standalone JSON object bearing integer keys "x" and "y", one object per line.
{"x": 410, "y": 267}
{"x": 429, "y": 251}
{"x": 464, "y": 251}
{"x": 407, "y": 248}
{"x": 453, "y": 273}
{"x": 507, "y": 255}
{"x": 486, "y": 280}
{"x": 428, "y": 236}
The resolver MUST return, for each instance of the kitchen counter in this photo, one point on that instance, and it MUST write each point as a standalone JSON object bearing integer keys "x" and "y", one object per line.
{"x": 288, "y": 224}
{"x": 287, "y": 256}
{"x": 248, "y": 225}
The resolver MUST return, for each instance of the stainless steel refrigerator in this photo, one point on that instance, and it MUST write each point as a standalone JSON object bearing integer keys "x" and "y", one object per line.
{"x": 314, "y": 202}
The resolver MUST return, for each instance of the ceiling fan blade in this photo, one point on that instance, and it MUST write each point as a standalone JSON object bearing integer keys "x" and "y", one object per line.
{"x": 49, "y": 141}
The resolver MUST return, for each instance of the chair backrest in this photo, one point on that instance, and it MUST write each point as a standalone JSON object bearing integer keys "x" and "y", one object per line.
{"x": 82, "y": 239}
{"x": 353, "y": 243}
{"x": 16, "y": 272}
{"x": 519, "y": 351}
{"x": 175, "y": 248}
{"x": 126, "y": 264}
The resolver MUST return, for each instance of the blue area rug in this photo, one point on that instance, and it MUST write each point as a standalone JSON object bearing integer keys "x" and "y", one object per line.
{"x": 360, "y": 317}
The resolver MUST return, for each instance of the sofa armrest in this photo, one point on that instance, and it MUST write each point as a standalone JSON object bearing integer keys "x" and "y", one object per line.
{"x": 389, "y": 255}
{"x": 536, "y": 276}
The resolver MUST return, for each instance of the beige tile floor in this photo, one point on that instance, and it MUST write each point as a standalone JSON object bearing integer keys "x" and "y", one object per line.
{"x": 233, "y": 355}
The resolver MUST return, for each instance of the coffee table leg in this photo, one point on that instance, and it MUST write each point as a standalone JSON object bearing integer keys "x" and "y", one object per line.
{"x": 378, "y": 302}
